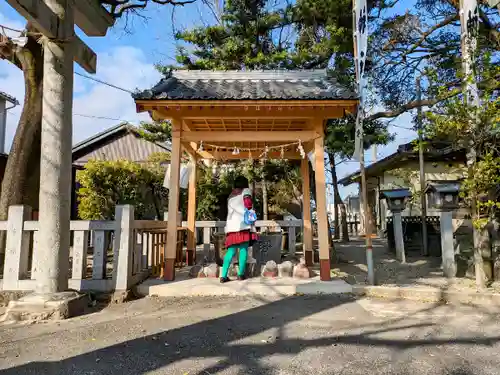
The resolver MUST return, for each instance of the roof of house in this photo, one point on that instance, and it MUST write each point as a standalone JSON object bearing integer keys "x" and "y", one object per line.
{"x": 8, "y": 98}
{"x": 396, "y": 193}
{"x": 443, "y": 186}
{"x": 247, "y": 85}
{"x": 436, "y": 151}
{"x": 107, "y": 136}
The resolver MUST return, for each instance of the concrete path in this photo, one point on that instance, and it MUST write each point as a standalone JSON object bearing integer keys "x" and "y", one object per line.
{"x": 325, "y": 335}
{"x": 257, "y": 286}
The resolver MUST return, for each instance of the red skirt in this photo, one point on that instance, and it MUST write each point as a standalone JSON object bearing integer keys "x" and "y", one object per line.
{"x": 236, "y": 238}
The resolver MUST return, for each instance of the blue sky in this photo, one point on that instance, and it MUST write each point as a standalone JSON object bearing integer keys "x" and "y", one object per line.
{"x": 126, "y": 58}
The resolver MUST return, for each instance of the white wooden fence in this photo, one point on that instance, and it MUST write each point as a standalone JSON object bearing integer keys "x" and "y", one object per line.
{"x": 123, "y": 252}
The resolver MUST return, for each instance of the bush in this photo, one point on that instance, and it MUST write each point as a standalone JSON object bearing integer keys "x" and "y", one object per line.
{"x": 105, "y": 184}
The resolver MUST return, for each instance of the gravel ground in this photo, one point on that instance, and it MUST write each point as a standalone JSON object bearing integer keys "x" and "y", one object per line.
{"x": 299, "y": 335}
{"x": 418, "y": 271}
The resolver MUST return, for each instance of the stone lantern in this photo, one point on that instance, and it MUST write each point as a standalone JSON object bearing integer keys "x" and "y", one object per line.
{"x": 396, "y": 201}
{"x": 443, "y": 196}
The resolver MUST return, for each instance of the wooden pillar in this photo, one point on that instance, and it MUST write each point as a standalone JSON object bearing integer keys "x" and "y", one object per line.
{"x": 173, "y": 203}
{"x": 321, "y": 214}
{"x": 307, "y": 237}
{"x": 191, "y": 218}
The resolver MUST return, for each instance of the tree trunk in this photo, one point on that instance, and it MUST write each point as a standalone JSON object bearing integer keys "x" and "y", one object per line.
{"x": 19, "y": 182}
{"x": 337, "y": 201}
{"x": 265, "y": 215}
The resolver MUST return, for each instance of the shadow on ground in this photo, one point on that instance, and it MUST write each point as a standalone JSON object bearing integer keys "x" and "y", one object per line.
{"x": 227, "y": 342}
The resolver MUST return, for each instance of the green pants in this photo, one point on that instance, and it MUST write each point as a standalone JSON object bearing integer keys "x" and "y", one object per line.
{"x": 231, "y": 252}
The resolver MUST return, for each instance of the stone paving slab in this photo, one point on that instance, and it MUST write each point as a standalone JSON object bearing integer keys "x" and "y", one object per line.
{"x": 423, "y": 294}
{"x": 258, "y": 286}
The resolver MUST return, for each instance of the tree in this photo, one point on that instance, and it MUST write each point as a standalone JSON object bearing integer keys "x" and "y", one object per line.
{"x": 475, "y": 128}
{"x": 20, "y": 180}
{"x": 24, "y": 156}
{"x": 411, "y": 42}
{"x": 339, "y": 145}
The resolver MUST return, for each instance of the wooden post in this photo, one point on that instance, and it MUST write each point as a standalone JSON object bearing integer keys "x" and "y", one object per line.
{"x": 173, "y": 202}
{"x": 191, "y": 219}
{"x": 321, "y": 214}
{"x": 307, "y": 237}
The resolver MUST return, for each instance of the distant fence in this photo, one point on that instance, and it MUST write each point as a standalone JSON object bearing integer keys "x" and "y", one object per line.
{"x": 353, "y": 223}
{"x": 291, "y": 227}
{"x": 412, "y": 234}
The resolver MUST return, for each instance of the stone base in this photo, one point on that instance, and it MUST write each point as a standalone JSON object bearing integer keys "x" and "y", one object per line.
{"x": 56, "y": 306}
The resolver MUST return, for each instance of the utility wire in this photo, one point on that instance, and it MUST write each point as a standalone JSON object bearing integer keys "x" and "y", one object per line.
{"x": 102, "y": 117}
{"x": 104, "y": 82}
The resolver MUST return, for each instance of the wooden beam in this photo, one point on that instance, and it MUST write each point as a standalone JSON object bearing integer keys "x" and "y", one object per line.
{"x": 189, "y": 150}
{"x": 193, "y": 147}
{"x": 253, "y": 136}
{"x": 166, "y": 110}
{"x": 47, "y": 22}
{"x": 308, "y": 146}
{"x": 321, "y": 213}
{"x": 306, "y": 212}
{"x": 173, "y": 204}
{"x": 191, "y": 217}
{"x": 92, "y": 17}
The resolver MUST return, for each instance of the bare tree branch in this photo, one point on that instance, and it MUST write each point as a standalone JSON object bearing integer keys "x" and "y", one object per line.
{"x": 425, "y": 35}
{"x": 119, "y": 7}
{"x": 409, "y": 106}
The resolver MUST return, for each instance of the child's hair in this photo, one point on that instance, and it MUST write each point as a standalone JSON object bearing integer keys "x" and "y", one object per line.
{"x": 240, "y": 182}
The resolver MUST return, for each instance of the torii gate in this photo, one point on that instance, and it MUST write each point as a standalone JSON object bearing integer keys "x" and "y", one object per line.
{"x": 55, "y": 19}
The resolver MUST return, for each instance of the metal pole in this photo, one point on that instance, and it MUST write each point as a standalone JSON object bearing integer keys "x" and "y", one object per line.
{"x": 367, "y": 222}
{"x": 423, "y": 200}
{"x": 364, "y": 192}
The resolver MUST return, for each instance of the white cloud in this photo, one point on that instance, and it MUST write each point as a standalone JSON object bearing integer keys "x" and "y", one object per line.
{"x": 123, "y": 66}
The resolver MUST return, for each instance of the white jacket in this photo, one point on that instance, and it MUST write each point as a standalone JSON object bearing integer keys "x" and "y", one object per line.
{"x": 236, "y": 213}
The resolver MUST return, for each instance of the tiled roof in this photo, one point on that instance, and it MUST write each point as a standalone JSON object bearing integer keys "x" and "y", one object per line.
{"x": 436, "y": 151}
{"x": 247, "y": 85}
{"x": 106, "y": 136}
{"x": 8, "y": 98}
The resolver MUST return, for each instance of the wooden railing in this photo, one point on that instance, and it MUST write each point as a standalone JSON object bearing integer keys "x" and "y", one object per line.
{"x": 120, "y": 253}
{"x": 211, "y": 227}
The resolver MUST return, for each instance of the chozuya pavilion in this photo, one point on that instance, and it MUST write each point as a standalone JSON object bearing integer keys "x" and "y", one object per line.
{"x": 272, "y": 113}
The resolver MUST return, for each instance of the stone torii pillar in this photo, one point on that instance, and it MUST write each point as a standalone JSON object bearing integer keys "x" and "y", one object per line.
{"x": 55, "y": 19}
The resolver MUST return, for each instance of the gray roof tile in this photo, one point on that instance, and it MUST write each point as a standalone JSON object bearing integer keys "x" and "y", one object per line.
{"x": 247, "y": 85}
{"x": 8, "y": 98}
